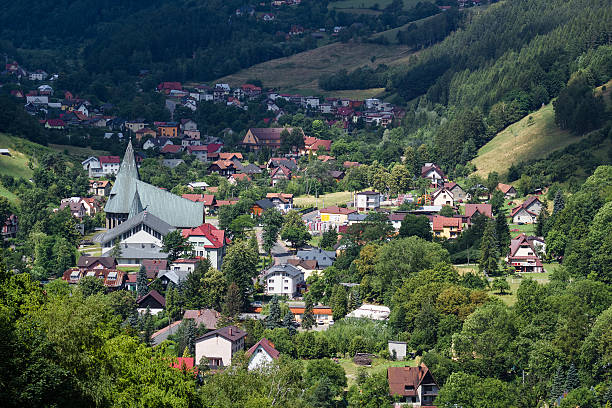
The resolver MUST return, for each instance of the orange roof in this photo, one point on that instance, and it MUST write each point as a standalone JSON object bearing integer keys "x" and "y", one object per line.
{"x": 504, "y": 188}
{"x": 440, "y": 222}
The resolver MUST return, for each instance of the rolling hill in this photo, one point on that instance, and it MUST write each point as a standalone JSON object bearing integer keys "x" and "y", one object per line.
{"x": 301, "y": 72}
{"x": 535, "y": 136}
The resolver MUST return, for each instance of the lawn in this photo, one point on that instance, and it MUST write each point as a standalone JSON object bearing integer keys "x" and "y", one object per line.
{"x": 527, "y": 229}
{"x": 80, "y": 153}
{"x": 129, "y": 269}
{"x": 465, "y": 268}
{"x": 534, "y": 136}
{"x": 300, "y": 73}
{"x": 15, "y": 165}
{"x": 509, "y": 298}
{"x": 325, "y": 200}
{"x": 10, "y": 196}
{"x": 378, "y": 365}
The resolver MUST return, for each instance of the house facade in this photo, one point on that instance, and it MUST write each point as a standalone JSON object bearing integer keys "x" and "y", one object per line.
{"x": 261, "y": 354}
{"x": 367, "y": 201}
{"x": 523, "y": 256}
{"x": 413, "y": 386}
{"x": 283, "y": 280}
{"x": 335, "y": 215}
{"x": 446, "y": 227}
{"x": 433, "y": 172}
{"x": 443, "y": 197}
{"x": 219, "y": 346}
{"x": 508, "y": 190}
{"x": 208, "y": 242}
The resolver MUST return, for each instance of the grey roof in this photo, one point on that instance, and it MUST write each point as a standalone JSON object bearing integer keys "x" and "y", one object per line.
{"x": 284, "y": 268}
{"x": 324, "y": 258}
{"x": 136, "y": 207}
{"x": 136, "y": 251}
{"x": 357, "y": 217}
{"x": 174, "y": 210}
{"x": 175, "y": 277}
{"x": 251, "y": 169}
{"x": 172, "y": 163}
{"x": 265, "y": 203}
{"x": 143, "y": 217}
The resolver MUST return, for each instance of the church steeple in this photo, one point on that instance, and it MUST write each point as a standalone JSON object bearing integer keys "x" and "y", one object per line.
{"x": 136, "y": 207}
{"x": 128, "y": 165}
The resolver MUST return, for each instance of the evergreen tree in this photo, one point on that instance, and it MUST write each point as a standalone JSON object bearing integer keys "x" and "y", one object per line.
{"x": 308, "y": 320}
{"x": 339, "y": 302}
{"x": 558, "y": 385}
{"x": 133, "y": 319}
{"x": 397, "y": 319}
{"x": 142, "y": 287}
{"x": 572, "y": 382}
{"x": 489, "y": 255}
{"x": 559, "y": 202}
{"x": 289, "y": 323}
{"x": 240, "y": 267}
{"x": 233, "y": 301}
{"x": 274, "y": 316}
{"x": 147, "y": 327}
{"x": 541, "y": 222}
{"x": 191, "y": 336}
{"x": 502, "y": 231}
{"x": 116, "y": 251}
{"x": 272, "y": 222}
{"x": 355, "y": 299}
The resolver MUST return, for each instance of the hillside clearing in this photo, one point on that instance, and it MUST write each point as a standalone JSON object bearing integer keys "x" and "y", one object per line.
{"x": 80, "y": 153}
{"x": 534, "y": 136}
{"x": 326, "y": 200}
{"x": 15, "y": 165}
{"x": 300, "y": 73}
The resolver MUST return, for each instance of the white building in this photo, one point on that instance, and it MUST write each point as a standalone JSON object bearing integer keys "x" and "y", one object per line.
{"x": 443, "y": 197}
{"x": 373, "y": 312}
{"x": 208, "y": 242}
{"x": 397, "y": 349}
{"x": 261, "y": 354}
{"x": 283, "y": 280}
{"x": 219, "y": 346}
{"x": 367, "y": 201}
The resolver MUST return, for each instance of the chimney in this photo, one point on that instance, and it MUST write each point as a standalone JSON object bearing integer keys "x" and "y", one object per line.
{"x": 231, "y": 332}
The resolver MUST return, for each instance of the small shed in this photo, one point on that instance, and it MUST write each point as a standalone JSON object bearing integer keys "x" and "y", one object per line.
{"x": 5, "y": 152}
{"x": 397, "y": 349}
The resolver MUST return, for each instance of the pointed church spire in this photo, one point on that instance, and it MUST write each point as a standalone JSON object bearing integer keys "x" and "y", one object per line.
{"x": 128, "y": 165}
{"x": 136, "y": 207}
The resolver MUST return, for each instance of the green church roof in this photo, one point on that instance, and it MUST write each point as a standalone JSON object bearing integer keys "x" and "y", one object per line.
{"x": 129, "y": 194}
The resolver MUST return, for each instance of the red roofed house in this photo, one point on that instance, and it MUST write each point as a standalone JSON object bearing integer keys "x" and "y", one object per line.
{"x": 109, "y": 164}
{"x": 223, "y": 167}
{"x": 312, "y": 145}
{"x": 207, "y": 317}
{"x": 112, "y": 279}
{"x": 153, "y": 266}
{"x": 219, "y": 346}
{"x": 100, "y": 188}
{"x": 278, "y": 174}
{"x": 261, "y": 354}
{"x": 230, "y": 156}
{"x": 413, "y": 385}
{"x": 208, "y": 200}
{"x": 446, "y": 227}
{"x": 171, "y": 149}
{"x": 527, "y": 212}
{"x": 484, "y": 209}
{"x": 55, "y": 124}
{"x": 201, "y": 152}
{"x": 235, "y": 178}
{"x": 258, "y": 138}
{"x": 524, "y": 254}
{"x": 183, "y": 363}
{"x": 508, "y": 190}
{"x": 459, "y": 194}
{"x": 208, "y": 242}
{"x": 336, "y": 215}
{"x": 166, "y": 87}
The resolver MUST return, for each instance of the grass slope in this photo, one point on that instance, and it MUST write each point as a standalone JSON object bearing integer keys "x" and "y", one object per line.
{"x": 325, "y": 200}
{"x": 536, "y": 135}
{"x": 79, "y": 153}
{"x": 300, "y": 73}
{"x": 17, "y": 164}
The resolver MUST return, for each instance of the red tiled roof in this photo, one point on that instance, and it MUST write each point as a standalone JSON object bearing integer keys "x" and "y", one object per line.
{"x": 312, "y": 143}
{"x": 170, "y": 86}
{"x": 109, "y": 159}
{"x": 484, "y": 209}
{"x": 215, "y": 236}
{"x": 153, "y": 266}
{"x": 402, "y": 377}
{"x": 56, "y": 122}
{"x": 171, "y": 148}
{"x": 214, "y": 147}
{"x": 183, "y": 363}
{"x": 267, "y": 346}
{"x": 283, "y": 169}
{"x": 207, "y": 317}
{"x": 440, "y": 222}
{"x": 504, "y": 188}
{"x": 207, "y": 199}
{"x": 241, "y": 176}
{"x": 230, "y": 156}
{"x": 337, "y": 210}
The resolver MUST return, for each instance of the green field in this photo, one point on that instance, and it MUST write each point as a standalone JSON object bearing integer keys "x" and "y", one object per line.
{"x": 325, "y": 200}
{"x": 378, "y": 365}
{"x": 80, "y": 153}
{"x": 17, "y": 164}
{"x": 534, "y": 136}
{"x": 300, "y": 73}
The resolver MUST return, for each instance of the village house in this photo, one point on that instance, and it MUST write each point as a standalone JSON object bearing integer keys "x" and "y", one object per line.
{"x": 219, "y": 346}
{"x": 473, "y": 209}
{"x": 135, "y": 125}
{"x": 261, "y": 354}
{"x": 154, "y": 301}
{"x": 258, "y": 138}
{"x": 207, "y": 318}
{"x": 208, "y": 200}
{"x": 308, "y": 267}
{"x": 446, "y": 227}
{"x": 156, "y": 142}
{"x": 278, "y": 174}
{"x": 433, "y": 172}
{"x": 527, "y": 212}
{"x": 170, "y": 129}
{"x": 523, "y": 256}
{"x": 234, "y": 179}
{"x": 100, "y": 188}
{"x": 153, "y": 267}
{"x": 459, "y": 195}
{"x": 87, "y": 263}
{"x": 508, "y": 190}
{"x": 313, "y": 145}
{"x": 9, "y": 227}
{"x": 223, "y": 167}
{"x": 145, "y": 132}
{"x": 77, "y": 209}
{"x": 171, "y": 149}
{"x": 443, "y": 197}
{"x": 415, "y": 386}
{"x": 112, "y": 279}
{"x": 260, "y": 206}
{"x": 365, "y": 201}
{"x": 335, "y": 215}
{"x": 185, "y": 264}
{"x": 282, "y": 201}
{"x": 282, "y": 280}
{"x": 166, "y": 87}
{"x": 200, "y": 152}
{"x": 166, "y": 277}
{"x": 208, "y": 242}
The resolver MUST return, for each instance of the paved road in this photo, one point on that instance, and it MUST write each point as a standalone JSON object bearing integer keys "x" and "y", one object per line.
{"x": 279, "y": 251}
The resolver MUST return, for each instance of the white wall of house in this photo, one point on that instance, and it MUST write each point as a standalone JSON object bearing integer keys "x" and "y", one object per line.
{"x": 523, "y": 217}
{"x": 524, "y": 251}
{"x": 433, "y": 175}
{"x": 366, "y": 202}
{"x": 280, "y": 283}
{"x": 444, "y": 198}
{"x": 142, "y": 237}
{"x": 400, "y": 349}
{"x": 187, "y": 267}
{"x": 213, "y": 254}
{"x": 535, "y": 207}
{"x": 259, "y": 359}
{"x": 217, "y": 346}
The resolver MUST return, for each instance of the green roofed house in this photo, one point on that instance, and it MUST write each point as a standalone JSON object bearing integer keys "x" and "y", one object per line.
{"x": 130, "y": 196}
